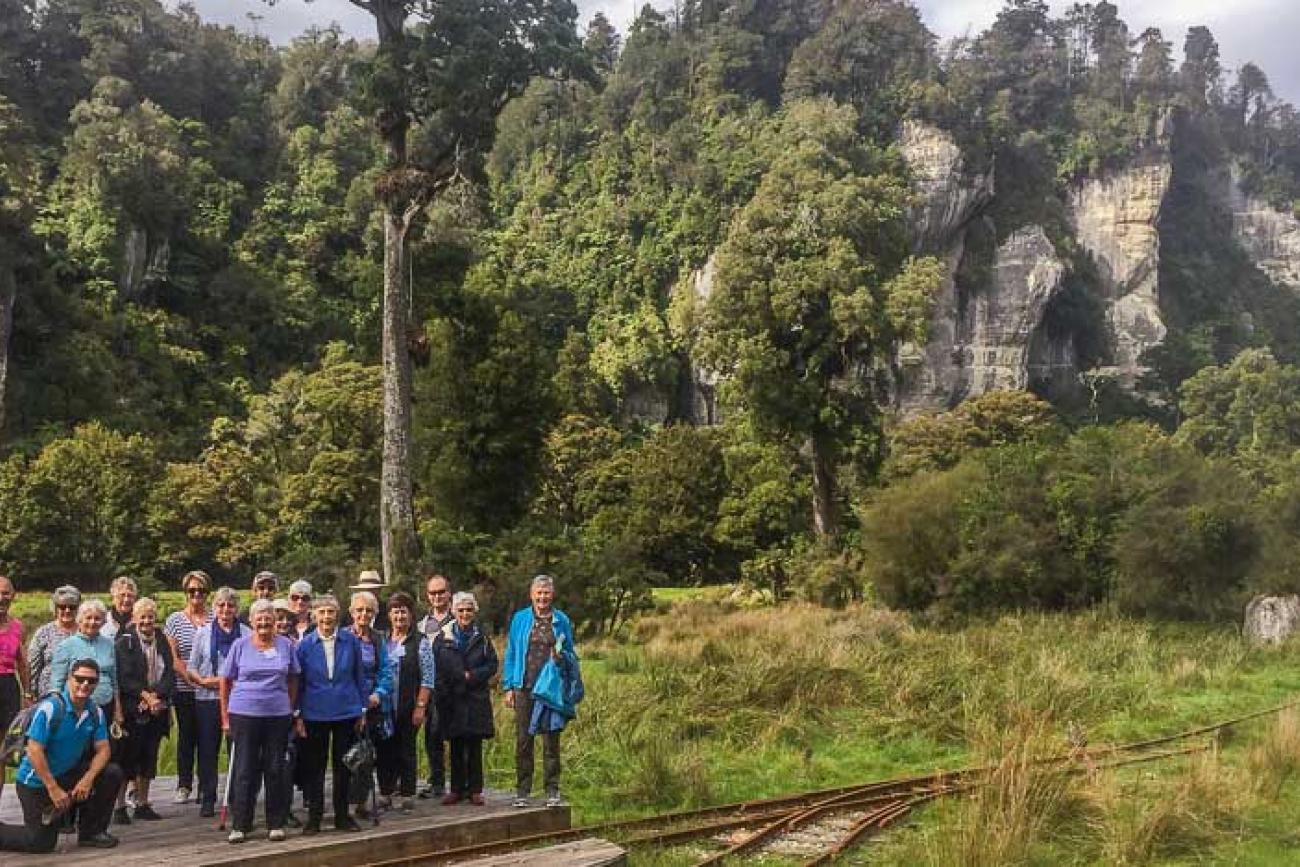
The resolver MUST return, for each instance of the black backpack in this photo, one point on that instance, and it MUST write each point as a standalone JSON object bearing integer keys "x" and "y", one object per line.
{"x": 14, "y": 744}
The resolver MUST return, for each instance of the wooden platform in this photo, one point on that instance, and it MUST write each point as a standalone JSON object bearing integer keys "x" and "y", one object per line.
{"x": 591, "y": 852}
{"x": 182, "y": 838}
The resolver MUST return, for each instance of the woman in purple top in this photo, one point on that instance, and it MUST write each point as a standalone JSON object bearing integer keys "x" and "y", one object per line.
{"x": 259, "y": 688}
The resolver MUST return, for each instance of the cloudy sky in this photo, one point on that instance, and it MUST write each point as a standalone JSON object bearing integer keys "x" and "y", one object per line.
{"x": 1264, "y": 31}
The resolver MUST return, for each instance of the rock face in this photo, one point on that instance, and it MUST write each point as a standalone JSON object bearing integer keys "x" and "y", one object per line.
{"x": 699, "y": 399}
{"x": 1115, "y": 219}
{"x": 949, "y": 196}
{"x": 1271, "y": 619}
{"x": 982, "y": 343}
{"x": 1271, "y": 238}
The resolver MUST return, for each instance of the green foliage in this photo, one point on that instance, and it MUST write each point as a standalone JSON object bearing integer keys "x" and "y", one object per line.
{"x": 997, "y": 418}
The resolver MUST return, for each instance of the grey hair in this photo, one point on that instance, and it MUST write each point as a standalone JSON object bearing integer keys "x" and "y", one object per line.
{"x": 92, "y": 605}
{"x": 225, "y": 594}
{"x": 464, "y": 596}
{"x": 363, "y": 596}
{"x": 325, "y": 600}
{"x": 301, "y": 587}
{"x": 65, "y": 595}
{"x": 261, "y": 605}
{"x": 542, "y": 581}
{"x": 123, "y": 581}
{"x": 142, "y": 603}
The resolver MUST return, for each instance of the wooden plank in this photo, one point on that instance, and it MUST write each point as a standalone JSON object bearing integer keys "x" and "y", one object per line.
{"x": 592, "y": 852}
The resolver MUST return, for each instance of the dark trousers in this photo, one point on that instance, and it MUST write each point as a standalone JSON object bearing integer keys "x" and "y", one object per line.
{"x": 398, "y": 765}
{"x": 187, "y": 739}
{"x": 436, "y": 748}
{"x": 524, "y": 750}
{"x": 259, "y": 744}
{"x": 207, "y": 715}
{"x": 139, "y": 749}
{"x": 467, "y": 765}
{"x": 11, "y": 699}
{"x": 93, "y": 814}
{"x": 326, "y": 743}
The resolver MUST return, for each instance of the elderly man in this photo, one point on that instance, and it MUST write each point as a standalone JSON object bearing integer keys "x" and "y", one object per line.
{"x": 437, "y": 593}
{"x": 60, "y": 769}
{"x": 123, "y": 591}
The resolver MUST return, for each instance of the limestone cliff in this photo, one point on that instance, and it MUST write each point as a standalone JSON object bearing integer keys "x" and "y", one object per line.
{"x": 1115, "y": 219}
{"x": 1271, "y": 238}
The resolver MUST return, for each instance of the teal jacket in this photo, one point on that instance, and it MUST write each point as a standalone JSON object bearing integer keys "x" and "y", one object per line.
{"x": 512, "y": 673}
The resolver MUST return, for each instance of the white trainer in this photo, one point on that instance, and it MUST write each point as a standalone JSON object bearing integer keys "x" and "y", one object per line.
{"x": 182, "y": 796}
{"x": 276, "y": 835}
{"x": 236, "y": 837}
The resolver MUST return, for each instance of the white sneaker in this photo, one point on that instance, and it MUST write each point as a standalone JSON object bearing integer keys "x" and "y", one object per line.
{"x": 520, "y": 802}
{"x": 236, "y": 837}
{"x": 276, "y": 835}
{"x": 182, "y": 796}
{"x": 130, "y": 798}
{"x": 554, "y": 800}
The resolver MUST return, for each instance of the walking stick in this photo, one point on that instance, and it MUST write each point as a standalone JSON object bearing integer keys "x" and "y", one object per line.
{"x": 225, "y": 799}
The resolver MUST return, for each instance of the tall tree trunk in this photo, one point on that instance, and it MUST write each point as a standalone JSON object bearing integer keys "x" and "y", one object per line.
{"x": 8, "y": 291}
{"x": 825, "y": 519}
{"x": 398, "y": 540}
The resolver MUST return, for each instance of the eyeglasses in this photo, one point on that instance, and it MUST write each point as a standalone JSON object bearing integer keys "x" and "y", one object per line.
{"x": 364, "y": 610}
{"x": 85, "y": 681}
{"x": 195, "y": 591}
{"x": 465, "y": 610}
{"x": 437, "y": 592}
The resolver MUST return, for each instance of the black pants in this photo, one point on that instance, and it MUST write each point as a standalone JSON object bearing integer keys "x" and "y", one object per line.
{"x": 139, "y": 750}
{"x": 436, "y": 748}
{"x": 326, "y": 744}
{"x": 11, "y": 699}
{"x": 467, "y": 766}
{"x": 93, "y": 814}
{"x": 207, "y": 714}
{"x": 259, "y": 746}
{"x": 187, "y": 739}
{"x": 524, "y": 750}
{"x": 398, "y": 765}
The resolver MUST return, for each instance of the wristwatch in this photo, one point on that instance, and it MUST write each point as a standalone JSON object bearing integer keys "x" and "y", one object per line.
{"x": 297, "y": 714}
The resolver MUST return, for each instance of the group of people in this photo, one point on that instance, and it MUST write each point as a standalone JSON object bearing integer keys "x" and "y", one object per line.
{"x": 291, "y": 687}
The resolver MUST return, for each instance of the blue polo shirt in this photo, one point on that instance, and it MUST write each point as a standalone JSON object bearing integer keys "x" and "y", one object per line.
{"x": 63, "y": 752}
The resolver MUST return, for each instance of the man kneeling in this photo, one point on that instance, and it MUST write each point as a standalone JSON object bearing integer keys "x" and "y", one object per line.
{"x": 59, "y": 771}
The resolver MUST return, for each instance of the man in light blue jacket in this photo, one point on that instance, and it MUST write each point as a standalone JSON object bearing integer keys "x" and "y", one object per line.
{"x": 538, "y": 633}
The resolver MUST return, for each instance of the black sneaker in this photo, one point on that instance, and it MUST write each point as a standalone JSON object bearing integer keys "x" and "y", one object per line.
{"x": 207, "y": 811}
{"x": 146, "y": 813}
{"x": 121, "y": 816}
{"x": 102, "y": 840}
{"x": 347, "y": 823}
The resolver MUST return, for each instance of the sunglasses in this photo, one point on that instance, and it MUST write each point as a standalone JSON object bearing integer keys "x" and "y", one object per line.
{"x": 298, "y": 597}
{"x": 437, "y": 592}
{"x": 196, "y": 591}
{"x": 85, "y": 681}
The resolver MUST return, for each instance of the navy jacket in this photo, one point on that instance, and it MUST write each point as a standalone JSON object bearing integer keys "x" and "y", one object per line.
{"x": 325, "y": 699}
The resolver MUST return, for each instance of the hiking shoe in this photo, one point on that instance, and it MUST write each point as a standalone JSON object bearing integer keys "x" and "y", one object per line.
{"x": 554, "y": 800}
{"x": 182, "y": 796}
{"x": 347, "y": 823}
{"x": 520, "y": 802}
{"x": 207, "y": 811}
{"x": 102, "y": 840}
{"x": 130, "y": 798}
{"x": 146, "y": 813}
{"x": 121, "y": 816}
{"x": 450, "y": 799}
{"x": 235, "y": 837}
{"x": 429, "y": 790}
{"x": 477, "y": 799}
{"x": 276, "y": 835}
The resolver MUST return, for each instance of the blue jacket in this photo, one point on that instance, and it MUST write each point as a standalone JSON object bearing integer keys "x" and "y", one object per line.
{"x": 512, "y": 673}
{"x": 325, "y": 699}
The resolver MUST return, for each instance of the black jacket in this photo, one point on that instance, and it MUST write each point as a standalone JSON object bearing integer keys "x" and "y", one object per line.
{"x": 465, "y": 705}
{"x": 133, "y": 670}
{"x": 408, "y": 676}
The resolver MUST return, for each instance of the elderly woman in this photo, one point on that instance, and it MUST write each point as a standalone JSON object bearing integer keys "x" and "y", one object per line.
{"x": 212, "y": 644}
{"x": 40, "y": 650}
{"x": 14, "y": 682}
{"x": 259, "y": 687}
{"x": 180, "y": 629}
{"x": 284, "y": 619}
{"x": 123, "y": 592}
{"x": 88, "y": 642}
{"x": 467, "y": 662}
{"x": 537, "y": 633}
{"x": 146, "y": 680}
{"x": 414, "y": 683}
{"x": 332, "y": 700}
{"x": 377, "y": 679}
{"x": 300, "y": 596}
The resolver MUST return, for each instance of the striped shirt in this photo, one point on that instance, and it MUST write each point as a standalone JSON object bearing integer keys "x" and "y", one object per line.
{"x": 180, "y": 629}
{"x": 40, "y": 653}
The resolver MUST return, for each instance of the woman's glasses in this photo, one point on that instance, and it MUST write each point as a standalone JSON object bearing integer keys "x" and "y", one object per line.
{"x": 85, "y": 681}
{"x": 65, "y": 607}
{"x": 299, "y": 597}
{"x": 196, "y": 591}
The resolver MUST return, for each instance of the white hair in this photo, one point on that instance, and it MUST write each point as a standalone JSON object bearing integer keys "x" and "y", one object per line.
{"x": 92, "y": 605}
{"x": 463, "y": 596}
{"x": 225, "y": 594}
{"x": 325, "y": 601}
{"x": 260, "y": 606}
{"x": 542, "y": 581}
{"x": 301, "y": 588}
{"x": 65, "y": 595}
{"x": 363, "y": 596}
{"x": 123, "y": 581}
{"x": 144, "y": 602}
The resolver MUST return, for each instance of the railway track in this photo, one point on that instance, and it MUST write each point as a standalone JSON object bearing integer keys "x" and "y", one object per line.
{"x": 843, "y": 817}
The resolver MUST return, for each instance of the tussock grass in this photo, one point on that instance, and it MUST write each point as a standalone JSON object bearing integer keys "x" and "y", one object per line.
{"x": 1275, "y": 759}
